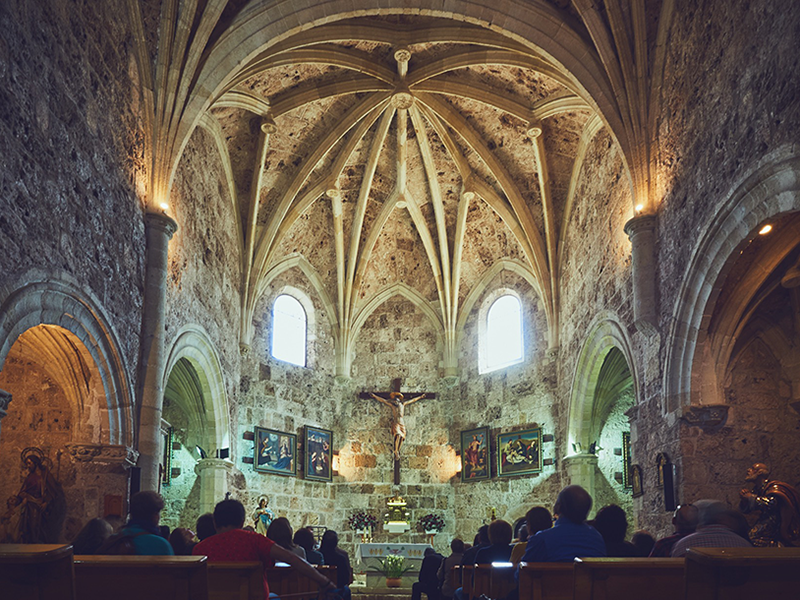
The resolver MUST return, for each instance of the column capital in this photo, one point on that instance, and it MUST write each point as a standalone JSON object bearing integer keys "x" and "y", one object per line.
{"x": 580, "y": 459}
{"x": 161, "y": 222}
{"x": 213, "y": 464}
{"x": 110, "y": 454}
{"x": 640, "y": 224}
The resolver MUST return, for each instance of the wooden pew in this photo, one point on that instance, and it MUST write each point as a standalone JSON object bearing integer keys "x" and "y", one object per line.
{"x": 455, "y": 576}
{"x": 287, "y": 583}
{"x": 492, "y": 581}
{"x": 546, "y": 581}
{"x": 235, "y": 581}
{"x": 141, "y": 577}
{"x": 36, "y": 572}
{"x": 629, "y": 578}
{"x": 466, "y": 581}
{"x": 742, "y": 573}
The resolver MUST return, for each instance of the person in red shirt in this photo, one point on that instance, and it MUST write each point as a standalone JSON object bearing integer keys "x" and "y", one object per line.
{"x": 233, "y": 544}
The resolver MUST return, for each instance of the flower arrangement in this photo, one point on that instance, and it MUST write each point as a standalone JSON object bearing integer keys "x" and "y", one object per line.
{"x": 432, "y": 522}
{"x": 392, "y": 567}
{"x": 362, "y": 520}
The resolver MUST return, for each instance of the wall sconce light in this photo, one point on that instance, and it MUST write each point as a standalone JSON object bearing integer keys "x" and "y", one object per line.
{"x": 335, "y": 463}
{"x": 639, "y": 208}
{"x": 458, "y": 462}
{"x": 765, "y": 230}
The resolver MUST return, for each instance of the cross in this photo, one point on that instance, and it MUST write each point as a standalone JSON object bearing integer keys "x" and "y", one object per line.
{"x": 396, "y": 401}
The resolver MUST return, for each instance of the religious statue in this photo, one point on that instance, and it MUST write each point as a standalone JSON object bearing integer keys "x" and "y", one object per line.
{"x": 779, "y": 505}
{"x": 397, "y": 404}
{"x": 263, "y": 516}
{"x": 36, "y": 513}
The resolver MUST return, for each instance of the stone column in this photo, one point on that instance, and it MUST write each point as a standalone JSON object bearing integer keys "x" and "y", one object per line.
{"x": 5, "y": 400}
{"x": 213, "y": 474}
{"x": 581, "y": 469}
{"x": 159, "y": 229}
{"x": 641, "y": 231}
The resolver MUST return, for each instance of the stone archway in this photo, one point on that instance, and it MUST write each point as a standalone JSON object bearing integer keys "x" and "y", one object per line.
{"x": 196, "y": 407}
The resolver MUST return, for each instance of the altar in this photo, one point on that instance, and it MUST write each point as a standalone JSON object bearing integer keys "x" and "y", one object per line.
{"x": 370, "y": 554}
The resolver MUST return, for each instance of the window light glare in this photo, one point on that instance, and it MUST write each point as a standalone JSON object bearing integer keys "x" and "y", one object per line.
{"x": 504, "y": 333}
{"x": 164, "y": 206}
{"x": 765, "y": 230}
{"x": 289, "y": 330}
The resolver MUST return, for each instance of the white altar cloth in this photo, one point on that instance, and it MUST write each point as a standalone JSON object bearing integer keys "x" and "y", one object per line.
{"x": 412, "y": 552}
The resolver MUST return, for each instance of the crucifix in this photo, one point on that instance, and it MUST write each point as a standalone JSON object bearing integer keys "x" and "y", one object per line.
{"x": 397, "y": 402}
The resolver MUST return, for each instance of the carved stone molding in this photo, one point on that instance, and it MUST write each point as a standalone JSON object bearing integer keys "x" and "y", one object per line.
{"x": 215, "y": 464}
{"x": 707, "y": 416}
{"x": 104, "y": 454}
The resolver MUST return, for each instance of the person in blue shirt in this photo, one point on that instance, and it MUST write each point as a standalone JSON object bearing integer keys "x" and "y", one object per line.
{"x": 570, "y": 536}
{"x": 145, "y": 513}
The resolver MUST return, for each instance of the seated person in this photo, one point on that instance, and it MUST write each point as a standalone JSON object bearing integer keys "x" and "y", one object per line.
{"x": 481, "y": 540}
{"x": 280, "y": 532}
{"x": 428, "y": 581}
{"x": 142, "y": 527}
{"x": 612, "y": 523}
{"x": 205, "y": 526}
{"x": 231, "y": 543}
{"x": 537, "y": 519}
{"x": 570, "y": 537}
{"x": 91, "y": 537}
{"x": 182, "y": 541}
{"x": 644, "y": 542}
{"x": 304, "y": 538}
{"x": 445, "y": 570}
{"x": 499, "y": 548}
{"x": 336, "y": 557}
{"x": 716, "y": 528}
{"x": 685, "y": 521}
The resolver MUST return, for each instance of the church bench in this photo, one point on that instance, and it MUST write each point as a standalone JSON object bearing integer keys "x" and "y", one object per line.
{"x": 235, "y": 581}
{"x": 629, "y": 578}
{"x": 546, "y": 581}
{"x": 742, "y": 573}
{"x": 493, "y": 581}
{"x": 141, "y": 577}
{"x": 36, "y": 572}
{"x": 466, "y": 580}
{"x": 287, "y": 583}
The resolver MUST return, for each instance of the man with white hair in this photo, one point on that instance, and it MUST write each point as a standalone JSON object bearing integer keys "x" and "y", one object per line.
{"x": 716, "y": 528}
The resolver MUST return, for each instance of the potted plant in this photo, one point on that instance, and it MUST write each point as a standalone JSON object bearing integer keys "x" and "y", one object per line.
{"x": 393, "y": 567}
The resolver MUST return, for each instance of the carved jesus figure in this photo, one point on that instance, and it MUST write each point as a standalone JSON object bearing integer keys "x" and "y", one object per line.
{"x": 398, "y": 406}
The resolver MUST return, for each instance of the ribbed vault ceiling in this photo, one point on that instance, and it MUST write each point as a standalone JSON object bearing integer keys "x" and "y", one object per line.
{"x": 401, "y": 150}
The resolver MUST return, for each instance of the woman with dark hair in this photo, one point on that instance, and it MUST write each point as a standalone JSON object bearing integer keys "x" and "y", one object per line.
{"x": 280, "y": 532}
{"x": 304, "y": 538}
{"x": 92, "y": 536}
{"x": 334, "y": 556}
{"x": 182, "y": 541}
{"x": 612, "y": 523}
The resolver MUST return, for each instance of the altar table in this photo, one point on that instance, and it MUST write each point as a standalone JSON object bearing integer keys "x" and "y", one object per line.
{"x": 370, "y": 554}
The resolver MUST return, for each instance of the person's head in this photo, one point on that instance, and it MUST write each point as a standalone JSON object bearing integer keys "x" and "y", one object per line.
{"x": 280, "y": 532}
{"x": 146, "y": 507}
{"x": 205, "y": 526}
{"x": 685, "y": 518}
{"x": 522, "y": 533}
{"x": 457, "y": 546}
{"x": 91, "y": 537}
{"x": 182, "y": 541}
{"x": 756, "y": 472}
{"x": 538, "y": 519}
{"x": 573, "y": 503}
{"x": 429, "y": 551}
{"x": 500, "y": 532}
{"x": 228, "y": 514}
{"x": 612, "y": 523}
{"x": 482, "y": 538}
{"x": 709, "y": 511}
{"x": 644, "y": 542}
{"x": 304, "y": 538}
{"x": 329, "y": 542}
{"x": 736, "y": 522}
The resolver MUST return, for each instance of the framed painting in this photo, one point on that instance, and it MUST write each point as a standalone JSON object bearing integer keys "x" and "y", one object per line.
{"x": 275, "y": 452}
{"x": 519, "y": 452}
{"x": 627, "y": 483}
{"x": 475, "y": 454}
{"x": 319, "y": 454}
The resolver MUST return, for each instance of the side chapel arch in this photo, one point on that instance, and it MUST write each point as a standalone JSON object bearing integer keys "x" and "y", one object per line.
{"x": 694, "y": 367}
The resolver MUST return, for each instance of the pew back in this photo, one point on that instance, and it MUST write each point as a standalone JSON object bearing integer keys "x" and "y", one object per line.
{"x": 545, "y": 581}
{"x": 235, "y": 581}
{"x": 493, "y": 582}
{"x": 287, "y": 583}
{"x": 742, "y": 573}
{"x": 141, "y": 577}
{"x": 629, "y": 578}
{"x": 466, "y": 581}
{"x": 36, "y": 572}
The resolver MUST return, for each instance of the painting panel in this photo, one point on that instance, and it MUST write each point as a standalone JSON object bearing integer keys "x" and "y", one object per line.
{"x": 275, "y": 452}
{"x": 475, "y": 454}
{"x": 318, "y": 454}
{"x": 519, "y": 452}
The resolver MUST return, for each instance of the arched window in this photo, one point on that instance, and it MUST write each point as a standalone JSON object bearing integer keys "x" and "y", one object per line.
{"x": 502, "y": 343}
{"x": 289, "y": 331}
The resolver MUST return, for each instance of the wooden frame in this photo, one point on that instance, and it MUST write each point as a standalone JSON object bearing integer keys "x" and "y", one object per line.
{"x": 318, "y": 454}
{"x": 475, "y": 464}
{"x": 519, "y": 452}
{"x": 627, "y": 482}
{"x": 275, "y": 452}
